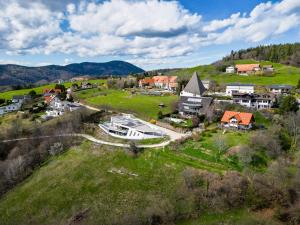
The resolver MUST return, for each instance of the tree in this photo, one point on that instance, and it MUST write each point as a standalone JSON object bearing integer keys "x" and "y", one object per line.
{"x": 288, "y": 104}
{"x": 2, "y": 101}
{"x": 221, "y": 143}
{"x": 160, "y": 115}
{"x": 298, "y": 85}
{"x": 32, "y": 94}
{"x": 61, "y": 87}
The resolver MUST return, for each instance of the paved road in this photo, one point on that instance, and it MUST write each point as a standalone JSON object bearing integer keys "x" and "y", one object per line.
{"x": 90, "y": 138}
{"x": 172, "y": 134}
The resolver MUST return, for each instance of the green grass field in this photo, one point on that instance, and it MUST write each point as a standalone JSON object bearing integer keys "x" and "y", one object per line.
{"x": 144, "y": 106}
{"x": 108, "y": 184}
{"x": 39, "y": 90}
{"x": 283, "y": 74}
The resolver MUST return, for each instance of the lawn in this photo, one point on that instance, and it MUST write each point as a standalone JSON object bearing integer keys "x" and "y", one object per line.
{"x": 144, "y": 106}
{"x": 283, "y": 74}
{"x": 39, "y": 90}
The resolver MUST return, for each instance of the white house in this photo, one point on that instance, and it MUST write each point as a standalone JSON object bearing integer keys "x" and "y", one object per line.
{"x": 58, "y": 107}
{"x": 126, "y": 126}
{"x": 280, "y": 89}
{"x": 10, "y": 108}
{"x": 239, "y": 88}
{"x": 230, "y": 69}
{"x": 255, "y": 101}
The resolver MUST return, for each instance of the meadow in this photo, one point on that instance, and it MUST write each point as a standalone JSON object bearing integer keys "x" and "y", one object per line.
{"x": 39, "y": 90}
{"x": 145, "y": 106}
{"x": 283, "y": 74}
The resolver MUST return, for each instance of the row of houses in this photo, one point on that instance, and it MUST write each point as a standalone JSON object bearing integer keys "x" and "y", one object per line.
{"x": 162, "y": 82}
{"x": 249, "y": 88}
{"x": 17, "y": 102}
{"x": 249, "y": 68}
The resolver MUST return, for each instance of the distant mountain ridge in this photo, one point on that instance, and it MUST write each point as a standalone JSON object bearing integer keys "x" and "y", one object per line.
{"x": 11, "y": 74}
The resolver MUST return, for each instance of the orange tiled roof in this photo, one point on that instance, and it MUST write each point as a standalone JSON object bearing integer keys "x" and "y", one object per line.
{"x": 246, "y": 67}
{"x": 165, "y": 79}
{"x": 147, "y": 81}
{"x": 48, "y": 99}
{"x": 243, "y": 118}
{"x": 51, "y": 90}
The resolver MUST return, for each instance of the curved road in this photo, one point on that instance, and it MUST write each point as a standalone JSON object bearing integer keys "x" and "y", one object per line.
{"x": 92, "y": 139}
{"x": 172, "y": 134}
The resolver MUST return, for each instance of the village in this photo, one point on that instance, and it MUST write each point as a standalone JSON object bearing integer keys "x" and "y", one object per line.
{"x": 196, "y": 106}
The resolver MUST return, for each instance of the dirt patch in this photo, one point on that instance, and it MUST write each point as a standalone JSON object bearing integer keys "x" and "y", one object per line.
{"x": 233, "y": 150}
{"x": 79, "y": 218}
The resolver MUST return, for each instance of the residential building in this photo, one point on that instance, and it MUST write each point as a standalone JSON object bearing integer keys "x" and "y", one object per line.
{"x": 126, "y": 126}
{"x": 146, "y": 82}
{"x": 51, "y": 91}
{"x": 255, "y": 101}
{"x": 86, "y": 85}
{"x": 162, "y": 82}
{"x": 239, "y": 88}
{"x": 268, "y": 68}
{"x": 83, "y": 78}
{"x": 247, "y": 68}
{"x": 230, "y": 69}
{"x": 238, "y": 120}
{"x": 280, "y": 89}
{"x": 10, "y": 108}
{"x": 206, "y": 84}
{"x": 57, "y": 107}
{"x": 191, "y": 100}
{"x": 20, "y": 98}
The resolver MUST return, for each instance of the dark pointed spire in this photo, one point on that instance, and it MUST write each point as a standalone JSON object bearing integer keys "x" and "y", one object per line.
{"x": 195, "y": 85}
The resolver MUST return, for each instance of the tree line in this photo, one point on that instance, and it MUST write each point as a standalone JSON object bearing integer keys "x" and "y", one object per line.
{"x": 288, "y": 54}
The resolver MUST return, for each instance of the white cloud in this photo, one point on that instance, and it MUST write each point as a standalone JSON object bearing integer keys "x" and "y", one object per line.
{"x": 264, "y": 21}
{"x": 25, "y": 29}
{"x": 145, "y": 29}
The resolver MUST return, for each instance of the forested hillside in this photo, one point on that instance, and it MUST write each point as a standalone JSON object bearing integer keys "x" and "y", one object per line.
{"x": 288, "y": 54}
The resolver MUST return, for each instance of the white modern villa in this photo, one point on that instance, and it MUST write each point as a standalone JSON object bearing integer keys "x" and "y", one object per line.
{"x": 239, "y": 88}
{"x": 127, "y": 126}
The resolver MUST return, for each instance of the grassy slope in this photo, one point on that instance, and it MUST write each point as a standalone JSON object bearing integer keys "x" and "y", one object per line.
{"x": 39, "y": 90}
{"x": 80, "y": 179}
{"x": 284, "y": 74}
{"x": 144, "y": 106}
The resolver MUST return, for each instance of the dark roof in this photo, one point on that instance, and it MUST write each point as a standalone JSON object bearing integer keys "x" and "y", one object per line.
{"x": 280, "y": 86}
{"x": 263, "y": 96}
{"x": 195, "y": 85}
{"x": 239, "y": 84}
{"x": 21, "y": 97}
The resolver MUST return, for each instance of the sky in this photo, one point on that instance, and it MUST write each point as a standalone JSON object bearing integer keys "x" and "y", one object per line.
{"x": 151, "y": 34}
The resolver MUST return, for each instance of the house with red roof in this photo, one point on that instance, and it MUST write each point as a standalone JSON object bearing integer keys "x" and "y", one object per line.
{"x": 247, "y": 68}
{"x": 146, "y": 82}
{"x": 163, "y": 82}
{"x": 238, "y": 120}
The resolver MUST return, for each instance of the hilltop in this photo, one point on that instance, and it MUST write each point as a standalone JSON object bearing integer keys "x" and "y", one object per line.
{"x": 20, "y": 75}
{"x": 284, "y": 74}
